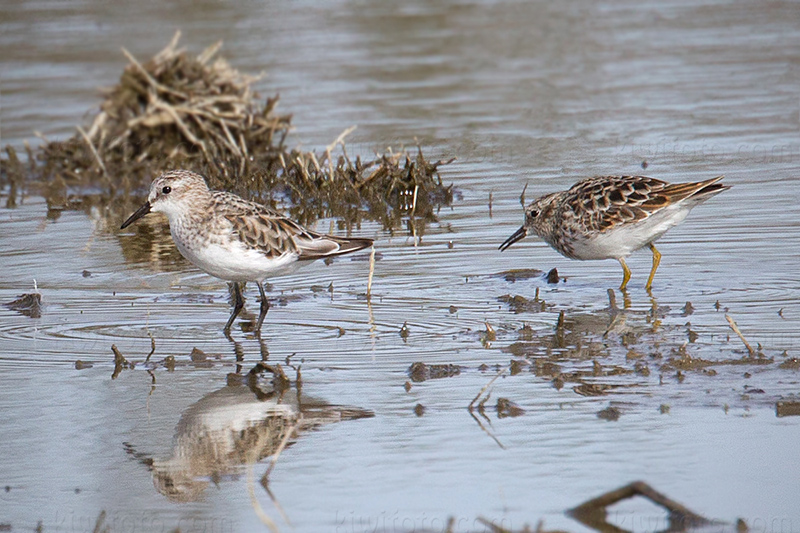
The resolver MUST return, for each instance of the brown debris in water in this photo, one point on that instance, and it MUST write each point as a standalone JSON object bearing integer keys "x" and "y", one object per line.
{"x": 594, "y": 513}
{"x": 593, "y": 389}
{"x": 488, "y": 336}
{"x": 519, "y": 304}
{"x": 738, "y": 332}
{"x": 507, "y": 408}
{"x": 519, "y": 274}
{"x": 598, "y": 515}
{"x": 119, "y": 362}
{"x": 178, "y": 110}
{"x": 419, "y": 371}
{"x": 27, "y": 304}
{"x": 787, "y": 408}
{"x": 610, "y": 414}
{"x": 790, "y": 363}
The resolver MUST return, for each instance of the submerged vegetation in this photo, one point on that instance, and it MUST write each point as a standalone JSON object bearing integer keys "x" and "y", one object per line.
{"x": 178, "y": 110}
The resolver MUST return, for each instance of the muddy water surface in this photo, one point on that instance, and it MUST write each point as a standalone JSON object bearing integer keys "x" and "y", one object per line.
{"x": 521, "y": 93}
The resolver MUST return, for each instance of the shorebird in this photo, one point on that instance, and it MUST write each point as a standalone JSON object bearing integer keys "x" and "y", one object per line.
{"x": 233, "y": 239}
{"x": 609, "y": 217}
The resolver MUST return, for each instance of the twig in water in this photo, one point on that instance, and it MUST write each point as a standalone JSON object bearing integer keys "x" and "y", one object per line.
{"x": 736, "y": 330}
{"x": 153, "y": 83}
{"x": 560, "y": 322}
{"x": 485, "y": 430}
{"x": 371, "y": 272}
{"x": 99, "y": 525}
{"x": 330, "y": 147}
{"x": 277, "y": 504}
{"x": 93, "y": 150}
{"x": 503, "y": 371}
{"x": 471, "y": 409}
{"x": 152, "y": 347}
{"x": 181, "y": 125}
{"x": 277, "y": 453}
{"x": 594, "y": 512}
{"x": 208, "y": 53}
{"x": 492, "y": 527}
{"x": 119, "y": 361}
{"x": 612, "y": 300}
{"x": 265, "y": 519}
{"x": 414, "y": 201}
{"x": 316, "y": 163}
{"x": 251, "y": 458}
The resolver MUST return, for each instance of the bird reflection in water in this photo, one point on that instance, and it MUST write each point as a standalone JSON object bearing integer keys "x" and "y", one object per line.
{"x": 253, "y": 417}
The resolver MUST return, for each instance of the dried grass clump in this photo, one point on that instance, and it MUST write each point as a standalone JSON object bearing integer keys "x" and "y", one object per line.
{"x": 181, "y": 111}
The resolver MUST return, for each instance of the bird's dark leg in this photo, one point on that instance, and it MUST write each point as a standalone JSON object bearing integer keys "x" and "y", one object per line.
{"x": 264, "y": 307}
{"x": 238, "y": 303}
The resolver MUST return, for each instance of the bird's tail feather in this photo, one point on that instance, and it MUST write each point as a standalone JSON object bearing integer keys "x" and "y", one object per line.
{"x": 321, "y": 246}
{"x": 699, "y": 191}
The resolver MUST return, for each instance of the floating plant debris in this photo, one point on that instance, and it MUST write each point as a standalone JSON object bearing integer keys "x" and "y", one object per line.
{"x": 419, "y": 371}
{"x": 27, "y": 304}
{"x": 178, "y": 110}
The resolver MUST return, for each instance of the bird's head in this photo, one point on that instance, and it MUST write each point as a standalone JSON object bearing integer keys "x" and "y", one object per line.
{"x": 538, "y": 220}
{"x": 170, "y": 193}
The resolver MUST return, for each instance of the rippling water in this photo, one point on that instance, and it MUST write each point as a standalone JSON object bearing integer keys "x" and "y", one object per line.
{"x": 521, "y": 93}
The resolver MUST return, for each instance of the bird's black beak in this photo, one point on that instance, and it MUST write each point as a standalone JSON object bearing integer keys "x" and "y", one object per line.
{"x": 518, "y": 235}
{"x": 142, "y": 211}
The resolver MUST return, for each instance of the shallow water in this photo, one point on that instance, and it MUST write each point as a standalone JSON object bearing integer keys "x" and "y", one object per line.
{"x": 521, "y": 93}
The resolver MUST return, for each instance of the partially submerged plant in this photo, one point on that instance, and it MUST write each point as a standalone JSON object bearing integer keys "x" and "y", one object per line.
{"x": 199, "y": 113}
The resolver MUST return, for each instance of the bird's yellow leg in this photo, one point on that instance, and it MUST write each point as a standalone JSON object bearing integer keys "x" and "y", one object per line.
{"x": 656, "y": 262}
{"x": 626, "y": 274}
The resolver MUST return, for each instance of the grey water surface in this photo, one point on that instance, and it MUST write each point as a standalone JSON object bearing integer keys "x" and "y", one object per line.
{"x": 536, "y": 93}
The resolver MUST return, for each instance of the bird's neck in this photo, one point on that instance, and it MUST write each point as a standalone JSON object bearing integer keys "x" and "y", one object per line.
{"x": 199, "y": 214}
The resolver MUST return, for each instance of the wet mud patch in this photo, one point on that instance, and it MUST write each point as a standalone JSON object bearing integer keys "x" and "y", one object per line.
{"x": 646, "y": 357}
{"x": 618, "y": 351}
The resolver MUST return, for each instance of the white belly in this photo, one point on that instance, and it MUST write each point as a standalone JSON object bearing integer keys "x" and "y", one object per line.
{"x": 236, "y": 262}
{"x": 622, "y": 241}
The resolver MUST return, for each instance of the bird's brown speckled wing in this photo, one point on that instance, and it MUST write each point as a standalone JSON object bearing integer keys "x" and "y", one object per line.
{"x": 273, "y": 234}
{"x": 604, "y": 202}
{"x": 229, "y": 204}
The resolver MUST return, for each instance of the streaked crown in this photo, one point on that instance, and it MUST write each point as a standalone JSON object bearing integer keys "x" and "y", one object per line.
{"x": 539, "y": 215}
{"x": 173, "y": 192}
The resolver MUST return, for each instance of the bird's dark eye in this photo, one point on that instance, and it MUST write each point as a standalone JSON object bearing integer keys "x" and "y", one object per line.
{"x": 534, "y": 213}
{"x": 166, "y": 190}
